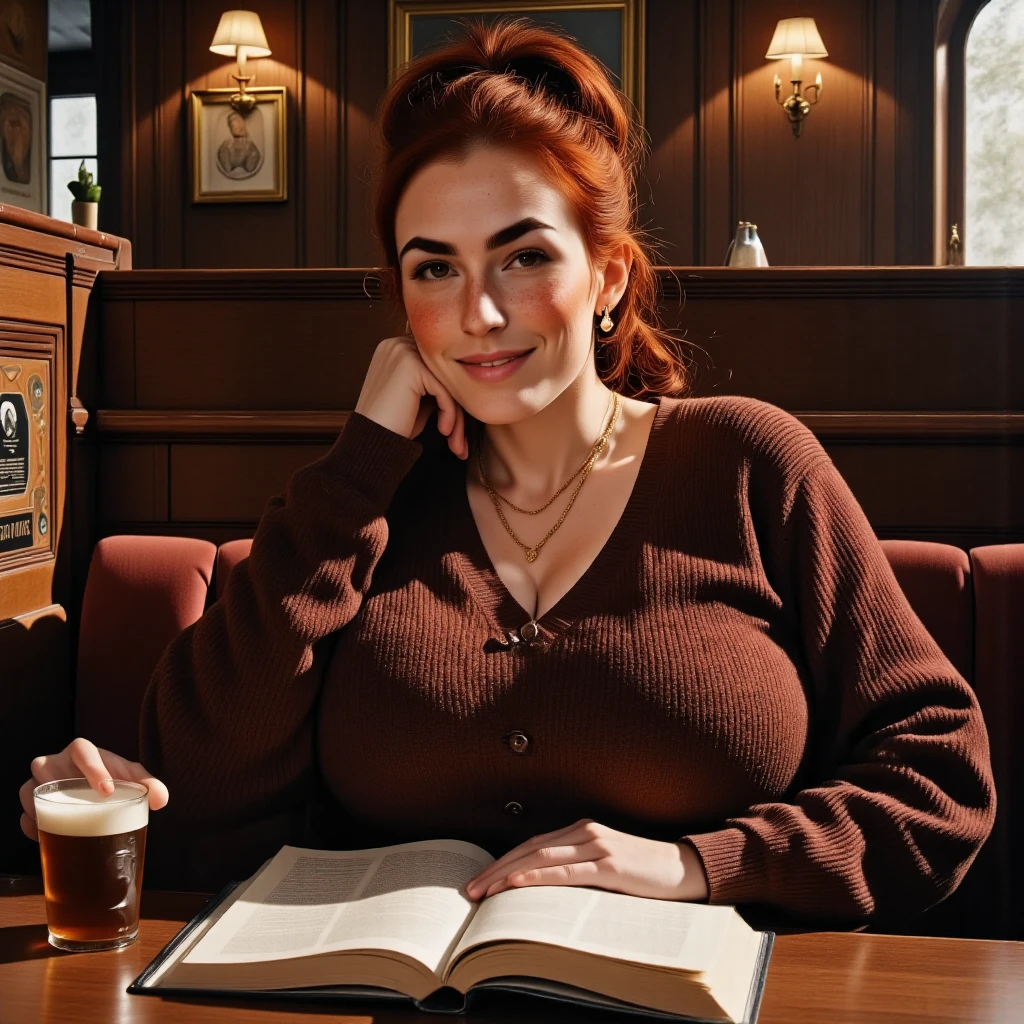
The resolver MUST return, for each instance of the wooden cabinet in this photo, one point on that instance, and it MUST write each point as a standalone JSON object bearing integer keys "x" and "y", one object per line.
{"x": 47, "y": 272}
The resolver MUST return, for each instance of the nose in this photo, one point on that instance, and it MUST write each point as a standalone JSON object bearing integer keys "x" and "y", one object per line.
{"x": 480, "y": 313}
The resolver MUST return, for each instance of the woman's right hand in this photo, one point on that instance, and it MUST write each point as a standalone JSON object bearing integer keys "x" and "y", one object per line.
{"x": 400, "y": 393}
{"x": 82, "y": 758}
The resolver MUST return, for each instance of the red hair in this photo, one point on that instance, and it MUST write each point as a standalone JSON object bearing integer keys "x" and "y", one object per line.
{"x": 515, "y": 84}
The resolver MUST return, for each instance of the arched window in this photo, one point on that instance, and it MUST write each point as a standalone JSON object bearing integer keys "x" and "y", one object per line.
{"x": 996, "y": 53}
{"x": 993, "y": 228}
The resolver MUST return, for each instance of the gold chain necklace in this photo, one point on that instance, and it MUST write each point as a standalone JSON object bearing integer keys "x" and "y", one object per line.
{"x": 532, "y": 512}
{"x": 588, "y": 465}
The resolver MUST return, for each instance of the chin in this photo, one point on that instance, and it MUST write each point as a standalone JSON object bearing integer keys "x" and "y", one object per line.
{"x": 498, "y": 410}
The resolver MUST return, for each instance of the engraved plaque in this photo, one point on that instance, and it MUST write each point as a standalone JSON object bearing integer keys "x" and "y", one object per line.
{"x": 25, "y": 454}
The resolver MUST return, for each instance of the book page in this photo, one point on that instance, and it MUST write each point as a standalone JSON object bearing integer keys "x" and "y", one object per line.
{"x": 666, "y": 933}
{"x": 404, "y": 898}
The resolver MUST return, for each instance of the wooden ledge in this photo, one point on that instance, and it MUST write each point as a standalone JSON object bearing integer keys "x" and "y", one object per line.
{"x": 834, "y": 426}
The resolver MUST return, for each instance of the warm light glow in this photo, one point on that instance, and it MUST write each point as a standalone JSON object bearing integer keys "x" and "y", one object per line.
{"x": 240, "y": 34}
{"x": 796, "y": 37}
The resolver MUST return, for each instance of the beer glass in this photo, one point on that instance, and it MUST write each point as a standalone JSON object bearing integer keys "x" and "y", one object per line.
{"x": 92, "y": 847}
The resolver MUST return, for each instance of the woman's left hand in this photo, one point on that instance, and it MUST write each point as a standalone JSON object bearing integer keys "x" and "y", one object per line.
{"x": 592, "y": 854}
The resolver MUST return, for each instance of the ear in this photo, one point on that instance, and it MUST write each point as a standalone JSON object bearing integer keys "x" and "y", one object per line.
{"x": 613, "y": 278}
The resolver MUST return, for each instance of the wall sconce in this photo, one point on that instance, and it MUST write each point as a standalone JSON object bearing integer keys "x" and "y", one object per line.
{"x": 240, "y": 34}
{"x": 797, "y": 38}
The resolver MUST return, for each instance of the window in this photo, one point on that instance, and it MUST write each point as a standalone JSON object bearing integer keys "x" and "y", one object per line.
{"x": 72, "y": 139}
{"x": 994, "y": 136}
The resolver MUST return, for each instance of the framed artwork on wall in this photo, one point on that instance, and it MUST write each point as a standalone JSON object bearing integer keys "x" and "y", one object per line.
{"x": 239, "y": 157}
{"x": 23, "y": 36}
{"x": 610, "y": 30}
{"x": 22, "y": 140}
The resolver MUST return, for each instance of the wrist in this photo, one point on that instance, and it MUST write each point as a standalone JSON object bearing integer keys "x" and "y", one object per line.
{"x": 694, "y": 887}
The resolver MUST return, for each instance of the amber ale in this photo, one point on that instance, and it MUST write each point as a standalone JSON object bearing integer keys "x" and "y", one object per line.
{"x": 93, "y": 848}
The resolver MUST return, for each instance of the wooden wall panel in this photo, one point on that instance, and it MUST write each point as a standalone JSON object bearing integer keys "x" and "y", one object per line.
{"x": 854, "y": 189}
{"x": 906, "y": 487}
{"x": 910, "y": 378}
{"x": 668, "y": 194}
{"x": 231, "y": 483}
{"x": 132, "y": 483}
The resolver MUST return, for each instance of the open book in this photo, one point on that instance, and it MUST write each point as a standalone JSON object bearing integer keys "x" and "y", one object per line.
{"x": 395, "y": 921}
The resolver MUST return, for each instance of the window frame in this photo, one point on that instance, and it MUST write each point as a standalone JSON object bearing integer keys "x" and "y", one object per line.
{"x": 50, "y": 158}
{"x": 955, "y": 21}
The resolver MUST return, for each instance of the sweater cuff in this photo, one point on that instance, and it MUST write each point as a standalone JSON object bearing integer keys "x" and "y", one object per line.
{"x": 734, "y": 865}
{"x": 372, "y": 459}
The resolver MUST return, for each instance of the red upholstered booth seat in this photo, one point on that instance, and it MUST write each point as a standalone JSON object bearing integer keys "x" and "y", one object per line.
{"x": 142, "y": 591}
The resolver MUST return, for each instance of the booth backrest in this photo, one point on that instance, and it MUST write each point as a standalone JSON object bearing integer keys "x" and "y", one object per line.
{"x": 142, "y": 591}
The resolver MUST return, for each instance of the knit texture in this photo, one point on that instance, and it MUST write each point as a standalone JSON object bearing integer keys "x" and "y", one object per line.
{"x": 738, "y": 668}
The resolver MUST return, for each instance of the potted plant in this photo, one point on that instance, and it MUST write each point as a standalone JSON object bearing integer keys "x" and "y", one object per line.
{"x": 86, "y": 205}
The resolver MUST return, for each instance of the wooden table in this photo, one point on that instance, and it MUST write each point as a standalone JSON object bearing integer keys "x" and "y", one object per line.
{"x": 814, "y": 978}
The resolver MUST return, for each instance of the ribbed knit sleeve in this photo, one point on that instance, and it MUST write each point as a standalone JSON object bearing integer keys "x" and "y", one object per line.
{"x": 227, "y": 721}
{"x": 899, "y": 796}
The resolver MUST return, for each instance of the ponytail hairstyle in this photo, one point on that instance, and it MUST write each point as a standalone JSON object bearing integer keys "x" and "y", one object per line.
{"x": 515, "y": 84}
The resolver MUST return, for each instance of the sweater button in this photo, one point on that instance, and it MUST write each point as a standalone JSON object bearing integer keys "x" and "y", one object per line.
{"x": 514, "y": 807}
{"x": 518, "y": 741}
{"x": 529, "y": 631}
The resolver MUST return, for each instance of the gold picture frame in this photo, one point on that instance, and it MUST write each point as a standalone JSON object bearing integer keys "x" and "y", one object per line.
{"x": 611, "y": 30}
{"x": 237, "y": 157}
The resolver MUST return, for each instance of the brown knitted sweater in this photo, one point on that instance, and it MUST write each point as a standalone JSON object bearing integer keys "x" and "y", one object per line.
{"x": 738, "y": 667}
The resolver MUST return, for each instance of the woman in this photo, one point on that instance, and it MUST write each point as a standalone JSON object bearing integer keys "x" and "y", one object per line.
{"x": 691, "y": 677}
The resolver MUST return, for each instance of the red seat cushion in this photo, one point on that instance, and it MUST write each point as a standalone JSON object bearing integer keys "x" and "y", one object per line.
{"x": 141, "y": 592}
{"x": 936, "y": 579}
{"x": 228, "y": 556}
{"x": 998, "y": 571}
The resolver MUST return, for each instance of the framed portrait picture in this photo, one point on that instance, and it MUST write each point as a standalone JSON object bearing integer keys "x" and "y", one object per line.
{"x": 22, "y": 140}
{"x": 610, "y": 30}
{"x": 23, "y": 35}
{"x": 239, "y": 157}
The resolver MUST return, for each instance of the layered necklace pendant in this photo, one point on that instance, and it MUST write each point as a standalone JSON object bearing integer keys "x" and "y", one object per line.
{"x": 595, "y": 453}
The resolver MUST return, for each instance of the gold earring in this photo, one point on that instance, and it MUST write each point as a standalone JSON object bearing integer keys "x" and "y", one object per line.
{"x": 408, "y": 329}
{"x": 606, "y": 321}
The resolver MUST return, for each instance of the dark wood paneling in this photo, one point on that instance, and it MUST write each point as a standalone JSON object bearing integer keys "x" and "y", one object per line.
{"x": 210, "y": 355}
{"x": 231, "y": 483}
{"x": 132, "y": 482}
{"x": 943, "y": 486}
{"x": 908, "y": 376}
{"x": 668, "y": 192}
{"x": 366, "y": 78}
{"x": 856, "y": 188}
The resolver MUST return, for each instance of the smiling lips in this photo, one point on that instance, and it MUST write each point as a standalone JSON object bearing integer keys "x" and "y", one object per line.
{"x": 498, "y": 367}
{"x": 489, "y": 359}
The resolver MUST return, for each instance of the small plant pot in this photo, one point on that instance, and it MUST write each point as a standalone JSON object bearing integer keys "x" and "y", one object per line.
{"x": 85, "y": 215}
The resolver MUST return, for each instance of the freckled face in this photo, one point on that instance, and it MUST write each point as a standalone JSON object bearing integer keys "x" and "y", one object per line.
{"x": 534, "y": 291}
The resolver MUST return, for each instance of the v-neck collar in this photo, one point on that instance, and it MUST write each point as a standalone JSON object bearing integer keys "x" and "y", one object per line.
{"x": 502, "y": 610}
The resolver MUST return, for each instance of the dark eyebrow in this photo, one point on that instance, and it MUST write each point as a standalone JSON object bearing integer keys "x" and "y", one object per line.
{"x": 496, "y": 241}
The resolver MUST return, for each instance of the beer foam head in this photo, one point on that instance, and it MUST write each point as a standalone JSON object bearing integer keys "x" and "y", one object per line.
{"x": 84, "y": 812}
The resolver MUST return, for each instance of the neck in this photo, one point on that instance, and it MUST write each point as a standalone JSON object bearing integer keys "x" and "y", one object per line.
{"x": 529, "y": 460}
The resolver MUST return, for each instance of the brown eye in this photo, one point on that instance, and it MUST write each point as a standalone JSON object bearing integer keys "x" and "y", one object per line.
{"x": 541, "y": 257}
{"x": 419, "y": 271}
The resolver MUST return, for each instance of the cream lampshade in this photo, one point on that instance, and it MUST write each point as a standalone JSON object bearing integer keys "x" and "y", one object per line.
{"x": 797, "y": 38}
{"x": 239, "y": 29}
{"x": 240, "y": 34}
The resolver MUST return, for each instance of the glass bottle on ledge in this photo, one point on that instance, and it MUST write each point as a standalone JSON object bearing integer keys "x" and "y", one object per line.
{"x": 954, "y": 249}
